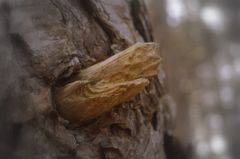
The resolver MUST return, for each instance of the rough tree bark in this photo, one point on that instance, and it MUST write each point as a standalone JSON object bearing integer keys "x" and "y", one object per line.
{"x": 44, "y": 42}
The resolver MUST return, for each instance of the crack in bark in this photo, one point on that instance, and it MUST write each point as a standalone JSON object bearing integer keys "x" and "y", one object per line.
{"x": 97, "y": 11}
{"x": 140, "y": 19}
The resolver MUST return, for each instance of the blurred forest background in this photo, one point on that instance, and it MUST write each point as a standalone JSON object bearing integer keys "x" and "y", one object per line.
{"x": 200, "y": 45}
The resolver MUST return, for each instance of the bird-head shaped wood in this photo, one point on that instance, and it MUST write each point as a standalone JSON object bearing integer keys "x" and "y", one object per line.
{"x": 100, "y": 87}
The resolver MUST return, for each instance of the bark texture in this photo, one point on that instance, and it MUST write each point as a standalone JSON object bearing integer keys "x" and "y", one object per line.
{"x": 43, "y": 43}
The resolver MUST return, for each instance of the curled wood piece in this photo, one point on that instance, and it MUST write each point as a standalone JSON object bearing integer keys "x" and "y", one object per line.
{"x": 106, "y": 84}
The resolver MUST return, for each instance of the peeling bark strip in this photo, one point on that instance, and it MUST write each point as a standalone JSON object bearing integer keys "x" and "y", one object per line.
{"x": 108, "y": 83}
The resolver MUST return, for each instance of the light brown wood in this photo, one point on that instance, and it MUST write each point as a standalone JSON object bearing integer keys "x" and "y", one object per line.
{"x": 104, "y": 85}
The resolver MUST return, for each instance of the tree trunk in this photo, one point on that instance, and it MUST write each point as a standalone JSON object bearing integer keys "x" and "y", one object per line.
{"x": 42, "y": 44}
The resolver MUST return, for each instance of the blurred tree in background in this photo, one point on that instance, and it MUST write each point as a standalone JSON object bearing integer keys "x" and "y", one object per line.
{"x": 200, "y": 46}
